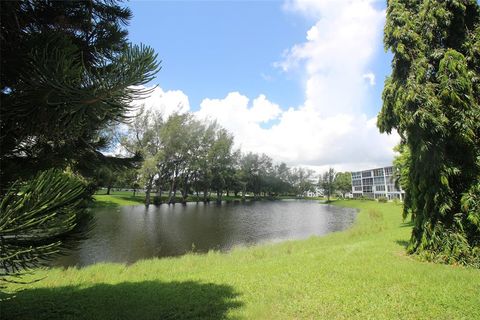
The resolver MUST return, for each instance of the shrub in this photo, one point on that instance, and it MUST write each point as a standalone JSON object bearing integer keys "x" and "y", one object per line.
{"x": 382, "y": 199}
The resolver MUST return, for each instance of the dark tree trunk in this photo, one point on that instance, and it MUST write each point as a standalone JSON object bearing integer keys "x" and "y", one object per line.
{"x": 185, "y": 190}
{"x": 148, "y": 190}
{"x": 173, "y": 189}
{"x": 205, "y": 194}
{"x": 108, "y": 189}
{"x": 159, "y": 194}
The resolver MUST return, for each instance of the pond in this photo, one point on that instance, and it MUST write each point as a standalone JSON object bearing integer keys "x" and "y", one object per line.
{"x": 128, "y": 234}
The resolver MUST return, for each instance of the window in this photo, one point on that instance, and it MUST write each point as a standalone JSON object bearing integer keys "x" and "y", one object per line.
{"x": 379, "y": 180}
{"x": 367, "y": 189}
{"x": 380, "y": 188}
{"x": 392, "y": 188}
{"x": 356, "y": 175}
{"x": 378, "y": 172}
{"x": 367, "y": 181}
{"x": 388, "y": 171}
{"x": 357, "y": 182}
{"x": 357, "y": 188}
{"x": 379, "y": 195}
{"x": 366, "y": 174}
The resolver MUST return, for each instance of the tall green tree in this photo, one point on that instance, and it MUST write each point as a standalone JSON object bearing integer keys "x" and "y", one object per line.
{"x": 67, "y": 73}
{"x": 142, "y": 136}
{"x": 343, "y": 182}
{"x": 327, "y": 182}
{"x": 221, "y": 160}
{"x": 432, "y": 99}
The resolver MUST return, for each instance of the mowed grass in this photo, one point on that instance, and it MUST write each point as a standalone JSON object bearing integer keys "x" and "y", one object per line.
{"x": 118, "y": 198}
{"x": 361, "y": 273}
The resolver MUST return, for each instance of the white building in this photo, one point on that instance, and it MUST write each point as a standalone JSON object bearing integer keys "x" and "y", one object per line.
{"x": 318, "y": 192}
{"x": 376, "y": 183}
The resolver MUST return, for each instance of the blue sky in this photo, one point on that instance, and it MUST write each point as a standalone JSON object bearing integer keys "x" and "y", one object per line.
{"x": 213, "y": 49}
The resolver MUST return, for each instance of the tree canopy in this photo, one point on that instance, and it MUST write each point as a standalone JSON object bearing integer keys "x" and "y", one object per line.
{"x": 183, "y": 153}
{"x": 432, "y": 99}
{"x": 327, "y": 182}
{"x": 67, "y": 73}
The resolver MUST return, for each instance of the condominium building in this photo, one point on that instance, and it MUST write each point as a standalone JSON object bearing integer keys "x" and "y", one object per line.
{"x": 376, "y": 183}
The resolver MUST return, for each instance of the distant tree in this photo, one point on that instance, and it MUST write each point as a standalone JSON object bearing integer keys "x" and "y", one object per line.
{"x": 343, "y": 182}
{"x": 128, "y": 179}
{"x": 143, "y": 136}
{"x": 220, "y": 157}
{"x": 327, "y": 183}
{"x": 301, "y": 180}
{"x": 106, "y": 177}
{"x": 179, "y": 139}
{"x": 432, "y": 99}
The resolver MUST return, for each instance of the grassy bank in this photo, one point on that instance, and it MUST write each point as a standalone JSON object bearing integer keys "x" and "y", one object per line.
{"x": 361, "y": 273}
{"x": 126, "y": 198}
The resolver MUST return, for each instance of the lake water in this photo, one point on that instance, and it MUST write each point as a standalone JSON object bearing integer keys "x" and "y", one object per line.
{"x": 128, "y": 234}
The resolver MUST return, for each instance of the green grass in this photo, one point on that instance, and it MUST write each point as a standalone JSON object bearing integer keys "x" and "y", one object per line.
{"x": 118, "y": 198}
{"x": 361, "y": 273}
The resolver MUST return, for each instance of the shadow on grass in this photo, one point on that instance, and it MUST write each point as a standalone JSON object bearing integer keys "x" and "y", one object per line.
{"x": 138, "y": 199}
{"x": 407, "y": 224}
{"x": 127, "y": 300}
{"x": 403, "y": 243}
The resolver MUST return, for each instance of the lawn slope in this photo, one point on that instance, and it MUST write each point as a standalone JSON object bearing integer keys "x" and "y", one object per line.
{"x": 361, "y": 273}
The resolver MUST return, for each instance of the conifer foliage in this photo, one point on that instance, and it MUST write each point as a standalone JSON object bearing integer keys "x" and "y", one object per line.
{"x": 67, "y": 73}
{"x": 432, "y": 99}
{"x": 39, "y": 218}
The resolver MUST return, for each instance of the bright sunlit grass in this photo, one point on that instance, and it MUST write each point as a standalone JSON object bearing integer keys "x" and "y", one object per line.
{"x": 362, "y": 273}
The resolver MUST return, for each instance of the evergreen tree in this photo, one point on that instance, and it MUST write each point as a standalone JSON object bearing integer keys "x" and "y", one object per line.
{"x": 327, "y": 183}
{"x": 432, "y": 99}
{"x": 67, "y": 73}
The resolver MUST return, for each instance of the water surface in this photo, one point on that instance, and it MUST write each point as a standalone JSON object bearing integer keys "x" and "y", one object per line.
{"x": 128, "y": 234}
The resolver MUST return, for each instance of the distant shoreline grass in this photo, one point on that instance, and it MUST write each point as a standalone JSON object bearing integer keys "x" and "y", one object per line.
{"x": 126, "y": 198}
{"x": 360, "y": 273}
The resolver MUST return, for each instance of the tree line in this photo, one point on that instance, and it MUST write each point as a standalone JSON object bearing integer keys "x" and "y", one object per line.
{"x": 185, "y": 156}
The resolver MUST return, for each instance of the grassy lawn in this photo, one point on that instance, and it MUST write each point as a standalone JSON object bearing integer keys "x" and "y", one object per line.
{"x": 118, "y": 198}
{"x": 361, "y": 273}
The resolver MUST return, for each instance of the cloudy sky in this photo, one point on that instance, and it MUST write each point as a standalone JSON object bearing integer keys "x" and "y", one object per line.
{"x": 298, "y": 80}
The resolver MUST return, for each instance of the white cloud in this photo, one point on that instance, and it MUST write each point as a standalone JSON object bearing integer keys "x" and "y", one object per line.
{"x": 267, "y": 77}
{"x": 370, "y": 76}
{"x": 166, "y": 102}
{"x": 330, "y": 128}
{"x": 302, "y": 136}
